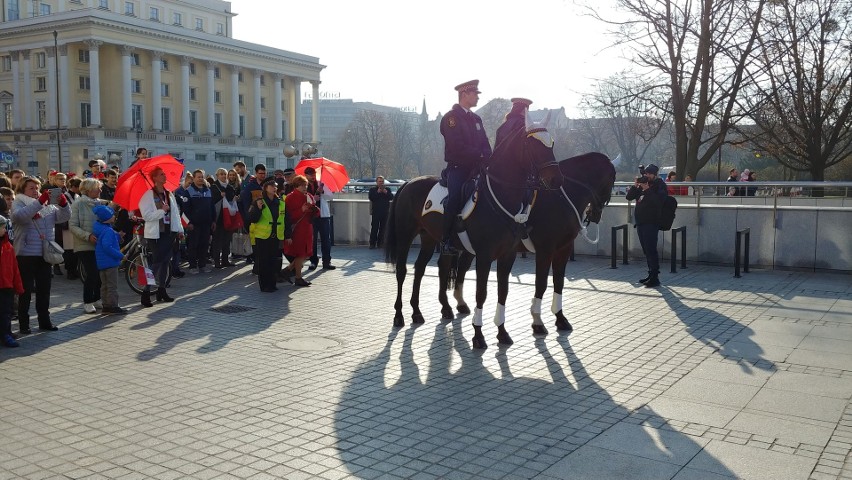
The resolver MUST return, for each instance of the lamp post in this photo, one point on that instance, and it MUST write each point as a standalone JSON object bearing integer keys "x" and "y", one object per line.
{"x": 56, "y": 66}
{"x": 138, "y": 134}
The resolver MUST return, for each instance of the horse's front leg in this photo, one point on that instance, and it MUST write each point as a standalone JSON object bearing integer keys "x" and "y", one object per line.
{"x": 398, "y": 319}
{"x": 542, "y": 270}
{"x": 427, "y": 249}
{"x": 446, "y": 263}
{"x": 504, "y": 268}
{"x": 483, "y": 268}
{"x": 465, "y": 260}
{"x": 560, "y": 260}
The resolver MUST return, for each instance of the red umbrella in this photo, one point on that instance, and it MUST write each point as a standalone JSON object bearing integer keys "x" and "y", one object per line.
{"x": 331, "y": 173}
{"x": 136, "y": 180}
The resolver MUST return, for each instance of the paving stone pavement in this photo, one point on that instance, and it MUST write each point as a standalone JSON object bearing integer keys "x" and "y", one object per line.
{"x": 707, "y": 377}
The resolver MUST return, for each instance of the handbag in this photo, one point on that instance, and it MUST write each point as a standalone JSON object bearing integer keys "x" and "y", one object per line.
{"x": 241, "y": 244}
{"x": 50, "y": 250}
{"x": 232, "y": 221}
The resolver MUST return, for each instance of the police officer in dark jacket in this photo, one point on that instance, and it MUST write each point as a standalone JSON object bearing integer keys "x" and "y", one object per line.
{"x": 516, "y": 119}
{"x": 649, "y": 191}
{"x": 466, "y": 149}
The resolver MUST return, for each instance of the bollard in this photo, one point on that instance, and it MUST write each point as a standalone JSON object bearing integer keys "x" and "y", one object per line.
{"x": 682, "y": 231}
{"x": 737, "y": 245}
{"x": 623, "y": 229}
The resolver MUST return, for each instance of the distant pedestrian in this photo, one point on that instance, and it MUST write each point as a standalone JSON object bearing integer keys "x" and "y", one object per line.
{"x": 380, "y": 198}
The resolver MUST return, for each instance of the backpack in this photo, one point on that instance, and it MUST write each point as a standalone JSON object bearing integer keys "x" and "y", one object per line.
{"x": 667, "y": 213}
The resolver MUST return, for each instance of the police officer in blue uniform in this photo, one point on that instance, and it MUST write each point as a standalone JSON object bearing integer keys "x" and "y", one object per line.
{"x": 466, "y": 149}
{"x": 516, "y": 119}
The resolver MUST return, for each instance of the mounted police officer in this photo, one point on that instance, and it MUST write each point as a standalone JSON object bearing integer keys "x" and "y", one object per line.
{"x": 516, "y": 119}
{"x": 466, "y": 149}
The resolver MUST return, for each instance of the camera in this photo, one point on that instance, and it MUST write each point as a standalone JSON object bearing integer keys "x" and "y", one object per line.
{"x": 641, "y": 169}
{"x": 642, "y": 179}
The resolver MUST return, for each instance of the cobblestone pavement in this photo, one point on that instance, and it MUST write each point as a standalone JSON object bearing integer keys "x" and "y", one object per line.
{"x": 707, "y": 377}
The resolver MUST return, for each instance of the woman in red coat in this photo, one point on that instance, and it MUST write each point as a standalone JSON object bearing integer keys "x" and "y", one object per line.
{"x": 300, "y": 211}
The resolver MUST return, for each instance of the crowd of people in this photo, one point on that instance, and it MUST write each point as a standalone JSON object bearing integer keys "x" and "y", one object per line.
{"x": 284, "y": 215}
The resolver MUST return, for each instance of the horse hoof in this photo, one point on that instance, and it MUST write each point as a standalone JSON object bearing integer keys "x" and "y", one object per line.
{"x": 398, "y": 321}
{"x": 563, "y": 325}
{"x": 479, "y": 343}
{"x": 463, "y": 309}
{"x": 503, "y": 338}
{"x": 447, "y": 313}
{"x": 539, "y": 330}
{"x": 417, "y": 318}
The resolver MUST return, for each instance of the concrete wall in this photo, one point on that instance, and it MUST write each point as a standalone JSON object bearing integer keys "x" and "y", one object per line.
{"x": 801, "y": 236}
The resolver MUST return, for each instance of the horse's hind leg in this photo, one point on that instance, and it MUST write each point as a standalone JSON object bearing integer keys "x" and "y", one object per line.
{"x": 542, "y": 269}
{"x": 427, "y": 249}
{"x": 560, "y": 260}
{"x": 483, "y": 268}
{"x": 465, "y": 261}
{"x": 402, "y": 257}
{"x": 504, "y": 268}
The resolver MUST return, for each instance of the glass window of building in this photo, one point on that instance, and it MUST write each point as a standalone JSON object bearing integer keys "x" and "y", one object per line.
{"x": 167, "y": 119}
{"x": 217, "y": 73}
{"x": 191, "y": 68}
{"x": 83, "y": 56}
{"x": 177, "y": 18}
{"x": 217, "y": 97}
{"x": 104, "y": 4}
{"x": 13, "y": 11}
{"x": 220, "y": 29}
{"x": 193, "y": 93}
{"x": 242, "y": 126}
{"x": 193, "y": 122}
{"x": 217, "y": 121}
{"x": 262, "y": 102}
{"x": 136, "y": 86}
{"x": 199, "y": 24}
{"x": 42, "y": 114}
{"x": 85, "y": 114}
{"x": 129, "y": 8}
{"x": 262, "y": 128}
{"x": 85, "y": 82}
{"x": 240, "y": 99}
{"x": 44, "y": 9}
{"x": 164, "y": 89}
{"x": 135, "y": 60}
{"x": 164, "y": 64}
{"x": 136, "y": 115}
{"x": 41, "y": 84}
{"x": 7, "y": 63}
{"x": 154, "y": 14}
{"x": 41, "y": 60}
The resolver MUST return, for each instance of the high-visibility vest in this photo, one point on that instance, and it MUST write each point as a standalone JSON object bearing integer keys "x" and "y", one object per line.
{"x": 263, "y": 228}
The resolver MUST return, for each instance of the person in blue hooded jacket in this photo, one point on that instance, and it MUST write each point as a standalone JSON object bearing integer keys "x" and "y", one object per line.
{"x": 108, "y": 257}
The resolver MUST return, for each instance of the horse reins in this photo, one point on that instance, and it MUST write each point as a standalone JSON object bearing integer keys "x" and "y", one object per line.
{"x": 583, "y": 224}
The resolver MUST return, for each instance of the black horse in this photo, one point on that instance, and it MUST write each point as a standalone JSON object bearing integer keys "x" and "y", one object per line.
{"x": 555, "y": 222}
{"x": 523, "y": 160}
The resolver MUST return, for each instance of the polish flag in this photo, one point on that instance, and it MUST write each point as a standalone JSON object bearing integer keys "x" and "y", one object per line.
{"x": 184, "y": 220}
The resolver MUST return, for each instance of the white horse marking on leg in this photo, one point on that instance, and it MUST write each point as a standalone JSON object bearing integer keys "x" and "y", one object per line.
{"x": 500, "y": 315}
{"x": 535, "y": 310}
{"x": 477, "y": 317}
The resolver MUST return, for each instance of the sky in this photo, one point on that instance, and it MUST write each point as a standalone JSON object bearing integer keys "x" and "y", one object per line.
{"x": 398, "y": 52}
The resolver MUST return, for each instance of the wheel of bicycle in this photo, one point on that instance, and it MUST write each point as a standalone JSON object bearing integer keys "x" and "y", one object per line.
{"x": 131, "y": 274}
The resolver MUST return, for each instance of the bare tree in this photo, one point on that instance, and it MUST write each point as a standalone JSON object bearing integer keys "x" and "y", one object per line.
{"x": 800, "y": 103}
{"x": 371, "y": 128}
{"x": 632, "y": 121}
{"x": 354, "y": 150}
{"x": 696, "y": 50}
{"x": 401, "y": 145}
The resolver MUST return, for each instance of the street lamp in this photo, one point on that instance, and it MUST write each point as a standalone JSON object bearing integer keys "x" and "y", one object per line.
{"x": 56, "y": 65}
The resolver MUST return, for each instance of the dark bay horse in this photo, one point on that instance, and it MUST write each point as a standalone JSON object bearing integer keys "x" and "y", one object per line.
{"x": 555, "y": 222}
{"x": 525, "y": 156}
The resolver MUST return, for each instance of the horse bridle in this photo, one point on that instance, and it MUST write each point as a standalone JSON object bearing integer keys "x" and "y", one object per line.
{"x": 584, "y": 224}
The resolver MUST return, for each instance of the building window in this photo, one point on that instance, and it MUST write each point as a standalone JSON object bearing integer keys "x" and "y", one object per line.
{"x": 104, "y": 4}
{"x": 199, "y": 24}
{"x": 164, "y": 89}
{"x": 7, "y": 63}
{"x": 263, "y": 79}
{"x": 44, "y": 9}
{"x": 85, "y": 83}
{"x": 282, "y": 105}
{"x": 154, "y": 14}
{"x": 193, "y": 122}
{"x": 217, "y": 121}
{"x": 217, "y": 73}
{"x": 240, "y": 76}
{"x": 193, "y": 93}
{"x": 191, "y": 68}
{"x": 41, "y": 60}
{"x": 130, "y": 9}
{"x": 41, "y": 84}
{"x": 200, "y": 157}
{"x": 136, "y": 115}
{"x": 85, "y": 114}
{"x": 262, "y": 128}
{"x": 12, "y": 12}
{"x": 217, "y": 97}
{"x": 7, "y": 114}
{"x": 164, "y": 64}
{"x": 220, "y": 29}
{"x": 83, "y": 56}
{"x": 242, "y": 126}
{"x": 240, "y": 99}
{"x": 136, "y": 86}
{"x": 178, "y": 18}
{"x": 42, "y": 115}
{"x": 167, "y": 119}
{"x": 135, "y": 60}
{"x": 262, "y": 102}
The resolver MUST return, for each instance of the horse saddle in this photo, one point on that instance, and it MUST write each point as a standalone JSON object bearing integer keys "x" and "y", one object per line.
{"x": 437, "y": 198}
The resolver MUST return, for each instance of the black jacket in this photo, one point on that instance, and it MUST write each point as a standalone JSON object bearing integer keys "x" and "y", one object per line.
{"x": 649, "y": 202}
{"x": 465, "y": 142}
{"x": 380, "y": 202}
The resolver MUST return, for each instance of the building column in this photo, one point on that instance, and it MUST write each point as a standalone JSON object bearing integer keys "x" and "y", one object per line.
{"x": 156, "y": 85}
{"x": 28, "y": 91}
{"x": 315, "y": 111}
{"x": 64, "y": 96}
{"x": 16, "y": 90}
{"x": 297, "y": 108}
{"x": 52, "y": 86}
{"x": 235, "y": 100}
{"x": 211, "y": 88}
{"x": 277, "y": 132}
{"x": 126, "y": 90}
{"x": 257, "y": 114}
{"x": 184, "y": 93}
{"x": 95, "y": 80}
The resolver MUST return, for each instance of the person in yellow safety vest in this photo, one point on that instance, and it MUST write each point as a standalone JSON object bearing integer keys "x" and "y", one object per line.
{"x": 268, "y": 228}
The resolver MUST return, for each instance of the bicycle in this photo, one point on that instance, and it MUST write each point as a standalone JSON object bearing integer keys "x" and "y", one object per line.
{"x": 136, "y": 256}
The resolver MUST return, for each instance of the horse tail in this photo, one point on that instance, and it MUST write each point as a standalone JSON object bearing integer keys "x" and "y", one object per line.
{"x": 391, "y": 236}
